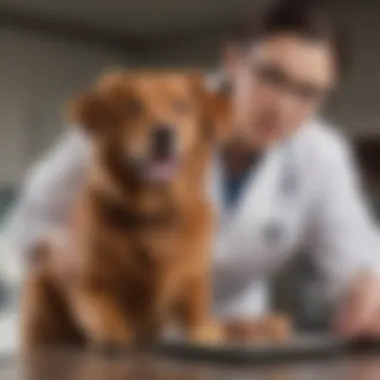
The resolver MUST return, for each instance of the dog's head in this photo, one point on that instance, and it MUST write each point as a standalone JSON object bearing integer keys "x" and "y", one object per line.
{"x": 146, "y": 126}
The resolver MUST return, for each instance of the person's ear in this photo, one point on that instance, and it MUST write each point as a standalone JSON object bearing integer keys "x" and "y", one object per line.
{"x": 215, "y": 107}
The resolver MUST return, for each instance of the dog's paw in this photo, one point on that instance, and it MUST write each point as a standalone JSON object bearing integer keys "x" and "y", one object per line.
{"x": 277, "y": 327}
{"x": 110, "y": 350}
{"x": 110, "y": 343}
{"x": 271, "y": 328}
{"x": 210, "y": 333}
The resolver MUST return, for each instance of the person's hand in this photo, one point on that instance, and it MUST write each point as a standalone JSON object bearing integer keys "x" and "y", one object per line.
{"x": 270, "y": 328}
{"x": 359, "y": 314}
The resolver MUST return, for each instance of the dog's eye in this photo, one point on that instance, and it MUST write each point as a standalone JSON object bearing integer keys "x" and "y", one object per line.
{"x": 182, "y": 106}
{"x": 134, "y": 107}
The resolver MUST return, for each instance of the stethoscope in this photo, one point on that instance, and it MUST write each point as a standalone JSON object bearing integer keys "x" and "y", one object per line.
{"x": 286, "y": 192}
{"x": 273, "y": 231}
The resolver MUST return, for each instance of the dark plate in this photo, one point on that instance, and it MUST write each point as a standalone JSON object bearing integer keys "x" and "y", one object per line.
{"x": 300, "y": 348}
{"x": 303, "y": 347}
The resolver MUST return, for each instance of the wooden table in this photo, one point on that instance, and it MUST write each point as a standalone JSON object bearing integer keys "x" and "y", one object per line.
{"x": 62, "y": 365}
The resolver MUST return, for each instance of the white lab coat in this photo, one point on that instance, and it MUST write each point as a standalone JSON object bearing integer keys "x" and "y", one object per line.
{"x": 305, "y": 193}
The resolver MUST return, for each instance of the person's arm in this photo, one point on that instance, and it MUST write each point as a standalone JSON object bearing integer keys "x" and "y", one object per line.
{"x": 49, "y": 191}
{"x": 344, "y": 239}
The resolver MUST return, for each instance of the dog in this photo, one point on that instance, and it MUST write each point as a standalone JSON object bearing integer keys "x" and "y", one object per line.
{"x": 137, "y": 256}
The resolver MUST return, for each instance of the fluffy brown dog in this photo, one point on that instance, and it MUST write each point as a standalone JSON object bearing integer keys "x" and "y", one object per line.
{"x": 141, "y": 242}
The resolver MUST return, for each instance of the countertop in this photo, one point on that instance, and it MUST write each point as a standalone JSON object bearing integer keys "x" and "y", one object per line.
{"x": 71, "y": 365}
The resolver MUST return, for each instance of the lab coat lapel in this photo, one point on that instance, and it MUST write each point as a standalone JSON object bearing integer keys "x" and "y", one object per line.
{"x": 255, "y": 194}
{"x": 245, "y": 222}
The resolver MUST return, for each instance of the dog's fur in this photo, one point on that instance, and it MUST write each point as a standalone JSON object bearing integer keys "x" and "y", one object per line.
{"x": 138, "y": 255}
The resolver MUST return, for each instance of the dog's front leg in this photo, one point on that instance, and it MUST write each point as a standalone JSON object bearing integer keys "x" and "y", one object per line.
{"x": 101, "y": 318}
{"x": 195, "y": 314}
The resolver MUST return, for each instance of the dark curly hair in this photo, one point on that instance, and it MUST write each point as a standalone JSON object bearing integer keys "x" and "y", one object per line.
{"x": 310, "y": 19}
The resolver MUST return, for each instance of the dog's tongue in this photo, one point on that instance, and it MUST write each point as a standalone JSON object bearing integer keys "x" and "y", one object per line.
{"x": 162, "y": 171}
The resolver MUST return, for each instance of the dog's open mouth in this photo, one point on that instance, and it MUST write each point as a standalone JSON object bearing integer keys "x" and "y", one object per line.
{"x": 162, "y": 171}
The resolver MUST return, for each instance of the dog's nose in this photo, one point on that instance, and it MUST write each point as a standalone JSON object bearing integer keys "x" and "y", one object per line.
{"x": 162, "y": 141}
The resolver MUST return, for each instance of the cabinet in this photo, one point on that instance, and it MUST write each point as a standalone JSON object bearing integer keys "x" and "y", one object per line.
{"x": 367, "y": 149}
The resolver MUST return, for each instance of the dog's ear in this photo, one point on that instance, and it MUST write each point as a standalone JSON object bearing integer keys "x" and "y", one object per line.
{"x": 216, "y": 108}
{"x": 90, "y": 112}
{"x": 111, "y": 79}
{"x": 95, "y": 110}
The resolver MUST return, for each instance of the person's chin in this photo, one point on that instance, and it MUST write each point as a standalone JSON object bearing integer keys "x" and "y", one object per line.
{"x": 264, "y": 142}
{"x": 268, "y": 136}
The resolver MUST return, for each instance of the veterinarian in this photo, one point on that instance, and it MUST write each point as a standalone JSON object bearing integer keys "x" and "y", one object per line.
{"x": 286, "y": 180}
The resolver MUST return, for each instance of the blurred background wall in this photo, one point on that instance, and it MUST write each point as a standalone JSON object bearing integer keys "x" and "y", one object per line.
{"x": 51, "y": 50}
{"x": 38, "y": 73}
